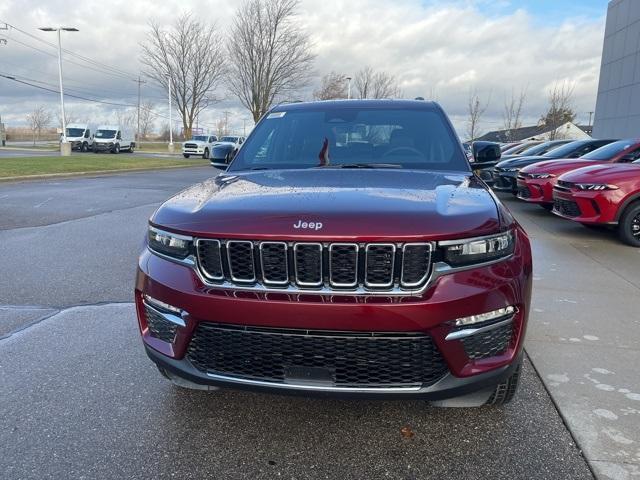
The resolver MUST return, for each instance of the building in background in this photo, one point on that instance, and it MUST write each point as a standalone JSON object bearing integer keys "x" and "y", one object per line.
{"x": 569, "y": 131}
{"x": 618, "y": 105}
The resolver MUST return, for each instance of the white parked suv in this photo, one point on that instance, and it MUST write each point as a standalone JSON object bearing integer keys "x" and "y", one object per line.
{"x": 199, "y": 145}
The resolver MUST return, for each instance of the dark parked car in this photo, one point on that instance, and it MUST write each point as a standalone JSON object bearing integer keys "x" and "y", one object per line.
{"x": 505, "y": 172}
{"x": 222, "y": 154}
{"x": 540, "y": 149}
{"x": 347, "y": 250}
{"x": 602, "y": 195}
{"x": 518, "y": 149}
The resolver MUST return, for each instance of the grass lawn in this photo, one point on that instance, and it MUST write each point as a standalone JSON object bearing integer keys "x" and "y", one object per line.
{"x": 33, "y": 166}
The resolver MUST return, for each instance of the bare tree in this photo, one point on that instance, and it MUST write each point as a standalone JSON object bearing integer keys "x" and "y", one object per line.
{"x": 512, "y": 115}
{"x": 476, "y": 107}
{"x": 332, "y": 86}
{"x": 147, "y": 116}
{"x": 222, "y": 128}
{"x": 371, "y": 84}
{"x": 39, "y": 119}
{"x": 560, "y": 110}
{"x": 270, "y": 55}
{"x": 189, "y": 56}
{"x": 69, "y": 117}
{"x": 125, "y": 118}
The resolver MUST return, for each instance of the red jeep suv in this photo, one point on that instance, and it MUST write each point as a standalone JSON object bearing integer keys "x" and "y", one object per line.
{"x": 347, "y": 250}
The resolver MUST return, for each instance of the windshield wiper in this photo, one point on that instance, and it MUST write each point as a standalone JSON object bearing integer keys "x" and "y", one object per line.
{"x": 368, "y": 165}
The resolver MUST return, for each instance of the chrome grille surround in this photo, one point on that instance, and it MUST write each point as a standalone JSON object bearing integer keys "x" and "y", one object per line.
{"x": 387, "y": 264}
{"x": 315, "y": 267}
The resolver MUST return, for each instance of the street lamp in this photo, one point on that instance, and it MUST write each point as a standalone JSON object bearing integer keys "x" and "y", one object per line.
{"x": 170, "y": 118}
{"x": 64, "y": 122}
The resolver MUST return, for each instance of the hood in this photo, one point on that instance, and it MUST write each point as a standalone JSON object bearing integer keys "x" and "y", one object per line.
{"x": 195, "y": 142}
{"x": 357, "y": 204}
{"x": 616, "y": 174}
{"x": 520, "y": 162}
{"x": 559, "y": 166}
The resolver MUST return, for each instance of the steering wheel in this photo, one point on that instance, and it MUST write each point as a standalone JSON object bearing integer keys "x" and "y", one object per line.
{"x": 410, "y": 150}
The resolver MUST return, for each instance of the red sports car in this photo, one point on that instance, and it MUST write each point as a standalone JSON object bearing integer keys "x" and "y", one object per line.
{"x": 536, "y": 182}
{"x": 602, "y": 195}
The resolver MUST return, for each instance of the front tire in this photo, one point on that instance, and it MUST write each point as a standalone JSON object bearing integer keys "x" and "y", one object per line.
{"x": 506, "y": 390}
{"x": 186, "y": 155}
{"x": 84, "y": 147}
{"x": 116, "y": 149}
{"x": 629, "y": 225}
{"x": 205, "y": 155}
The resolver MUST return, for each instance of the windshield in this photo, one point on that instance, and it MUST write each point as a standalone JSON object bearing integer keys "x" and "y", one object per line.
{"x": 105, "y": 133}
{"x": 565, "y": 150}
{"x": 352, "y": 137}
{"x": 229, "y": 139}
{"x": 200, "y": 138}
{"x": 75, "y": 132}
{"x": 608, "y": 151}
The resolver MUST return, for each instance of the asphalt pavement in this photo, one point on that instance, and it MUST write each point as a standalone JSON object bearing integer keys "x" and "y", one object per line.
{"x": 79, "y": 399}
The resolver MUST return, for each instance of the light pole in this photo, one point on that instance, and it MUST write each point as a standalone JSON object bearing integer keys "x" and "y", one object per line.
{"x": 348, "y": 88}
{"x": 170, "y": 120}
{"x": 63, "y": 144}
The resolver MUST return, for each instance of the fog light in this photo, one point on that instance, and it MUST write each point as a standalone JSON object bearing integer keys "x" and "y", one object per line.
{"x": 485, "y": 317}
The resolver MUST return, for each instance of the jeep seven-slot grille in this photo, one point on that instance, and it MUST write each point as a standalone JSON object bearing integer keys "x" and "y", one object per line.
{"x": 315, "y": 266}
{"x": 333, "y": 359}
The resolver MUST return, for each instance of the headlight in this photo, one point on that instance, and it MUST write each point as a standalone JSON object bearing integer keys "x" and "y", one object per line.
{"x": 541, "y": 176}
{"x": 459, "y": 253}
{"x": 170, "y": 244}
{"x": 595, "y": 186}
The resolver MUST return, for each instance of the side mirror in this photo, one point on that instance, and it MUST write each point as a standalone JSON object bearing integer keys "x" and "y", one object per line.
{"x": 486, "y": 152}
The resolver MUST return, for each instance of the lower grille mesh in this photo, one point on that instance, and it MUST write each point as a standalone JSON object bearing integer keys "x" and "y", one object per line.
{"x": 567, "y": 207}
{"x": 488, "y": 344}
{"x": 342, "y": 359}
{"x": 158, "y": 327}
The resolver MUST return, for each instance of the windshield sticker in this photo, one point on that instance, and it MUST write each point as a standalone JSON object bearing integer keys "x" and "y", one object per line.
{"x": 276, "y": 115}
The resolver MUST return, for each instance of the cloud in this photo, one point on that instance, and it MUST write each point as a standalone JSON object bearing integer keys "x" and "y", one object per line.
{"x": 434, "y": 48}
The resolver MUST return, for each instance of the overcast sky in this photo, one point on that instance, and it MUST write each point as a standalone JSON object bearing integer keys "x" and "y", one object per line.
{"x": 438, "y": 49}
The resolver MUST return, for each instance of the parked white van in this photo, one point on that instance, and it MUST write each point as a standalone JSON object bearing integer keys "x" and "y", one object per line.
{"x": 80, "y": 136}
{"x": 114, "y": 139}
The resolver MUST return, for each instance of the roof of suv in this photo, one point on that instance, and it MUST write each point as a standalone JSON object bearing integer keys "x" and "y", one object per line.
{"x": 385, "y": 103}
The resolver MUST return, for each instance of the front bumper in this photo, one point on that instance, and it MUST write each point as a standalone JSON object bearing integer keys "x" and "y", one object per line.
{"x": 103, "y": 147}
{"x": 538, "y": 191}
{"x": 450, "y": 296}
{"x": 588, "y": 207}
{"x": 193, "y": 151}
